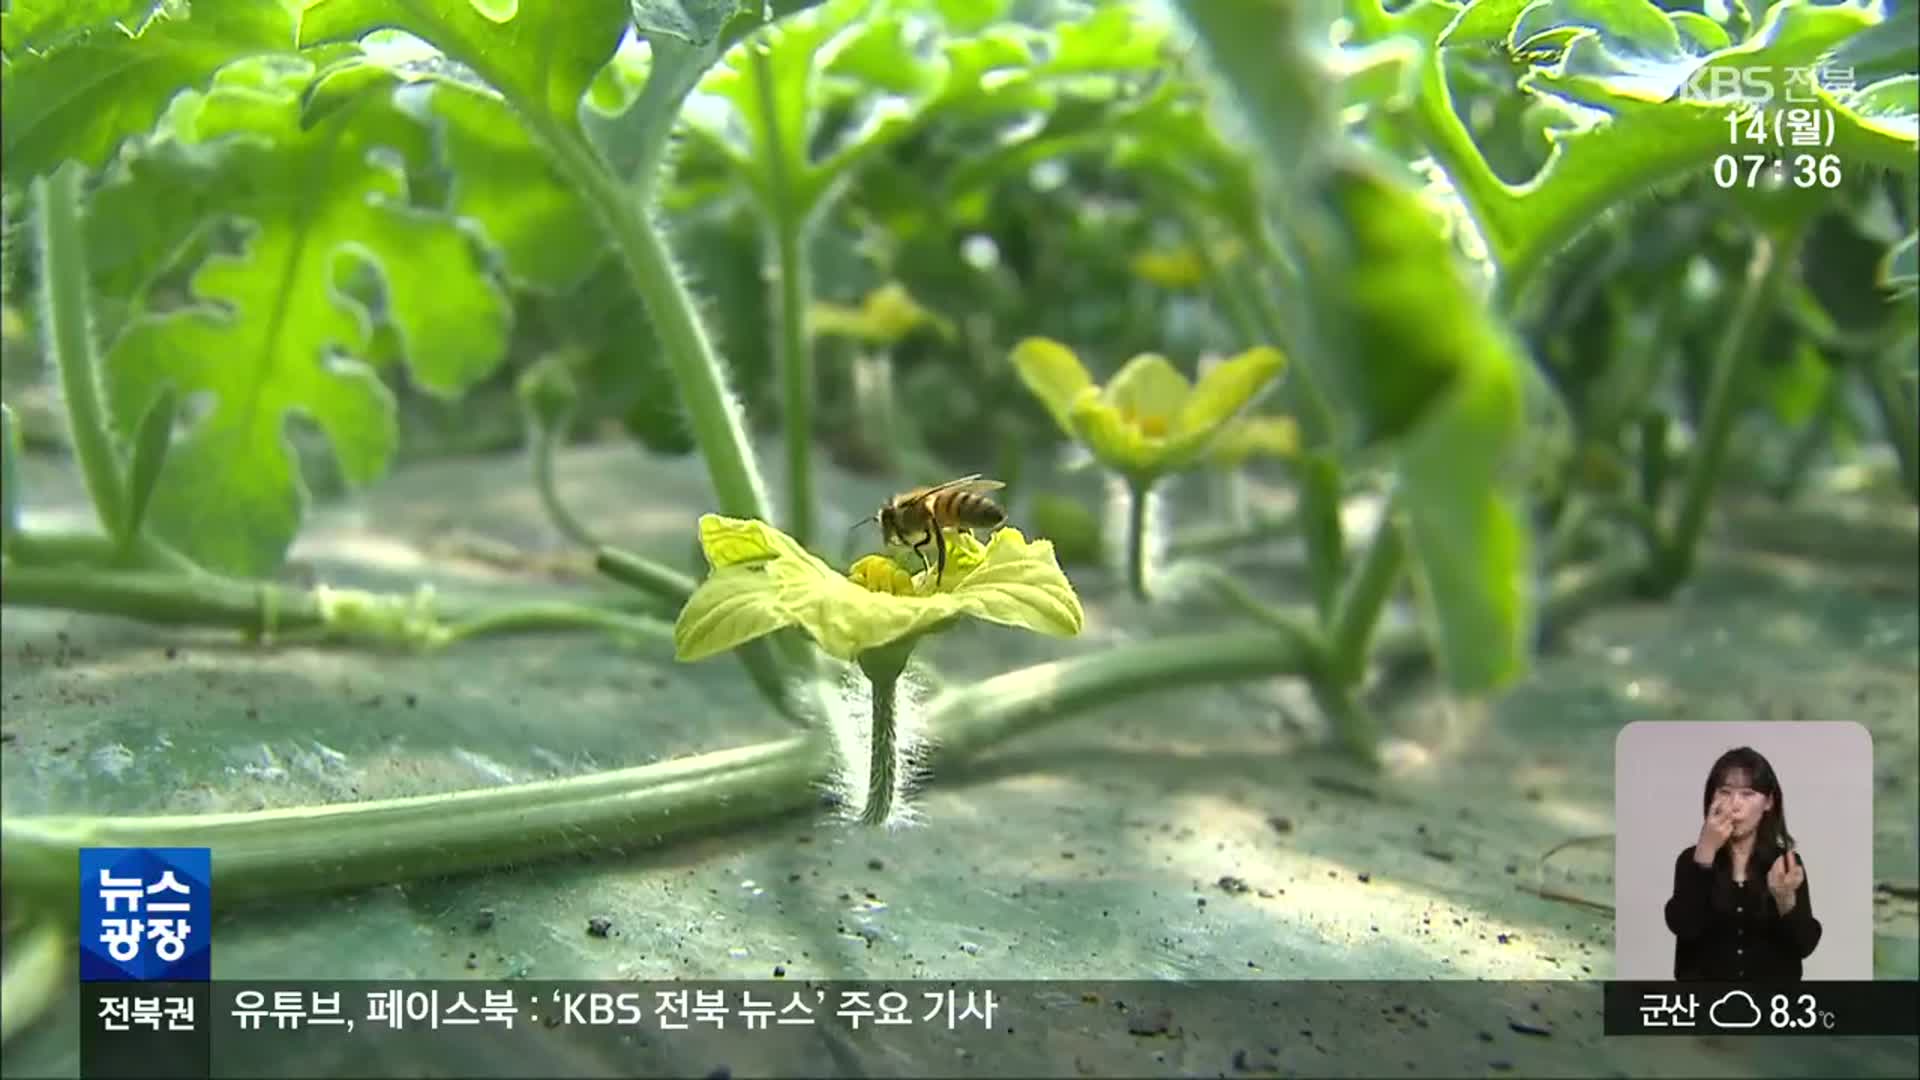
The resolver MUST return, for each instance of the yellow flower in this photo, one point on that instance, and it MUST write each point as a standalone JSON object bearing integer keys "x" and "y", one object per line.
{"x": 1179, "y": 267}
{"x": 1255, "y": 436}
{"x": 1149, "y": 419}
{"x": 885, "y": 317}
{"x": 762, "y": 580}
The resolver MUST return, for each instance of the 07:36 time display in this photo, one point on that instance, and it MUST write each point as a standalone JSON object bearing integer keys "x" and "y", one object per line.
{"x": 1746, "y": 170}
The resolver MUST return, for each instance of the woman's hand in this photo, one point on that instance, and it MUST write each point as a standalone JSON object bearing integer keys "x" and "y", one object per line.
{"x": 1714, "y": 831}
{"x": 1784, "y": 879}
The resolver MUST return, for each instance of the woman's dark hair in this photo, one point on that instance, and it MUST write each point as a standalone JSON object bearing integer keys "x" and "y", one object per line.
{"x": 1761, "y": 778}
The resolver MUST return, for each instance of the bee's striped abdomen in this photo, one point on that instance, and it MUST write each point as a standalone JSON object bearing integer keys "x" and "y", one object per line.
{"x": 968, "y": 510}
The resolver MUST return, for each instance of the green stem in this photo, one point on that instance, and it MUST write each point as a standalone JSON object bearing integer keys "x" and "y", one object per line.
{"x": 882, "y": 756}
{"x": 1215, "y": 539}
{"x": 883, "y": 667}
{"x": 41, "y": 962}
{"x": 1350, "y": 635}
{"x": 266, "y": 854}
{"x": 1139, "y": 489}
{"x": 644, "y": 574}
{"x": 787, "y": 222}
{"x": 976, "y": 716}
{"x": 1569, "y": 528}
{"x": 164, "y": 598}
{"x": 673, "y": 587}
{"x": 1884, "y": 378}
{"x": 1563, "y": 544}
{"x": 63, "y": 280}
{"x": 1302, "y": 631}
{"x": 1655, "y": 459}
{"x": 542, "y": 618}
{"x": 91, "y": 549}
{"x": 270, "y": 610}
{"x": 1813, "y": 437}
{"x": 545, "y": 441}
{"x": 1305, "y": 397}
{"x": 796, "y": 374}
{"x": 697, "y": 370}
{"x": 272, "y": 853}
{"x": 1317, "y": 473}
{"x": 1318, "y": 477}
{"x": 1240, "y": 310}
{"x": 1358, "y": 730}
{"x": 11, "y": 497}
{"x": 1257, "y": 319}
{"x": 1773, "y": 258}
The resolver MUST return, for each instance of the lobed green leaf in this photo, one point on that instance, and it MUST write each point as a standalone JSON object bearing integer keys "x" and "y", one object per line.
{"x": 93, "y": 92}
{"x": 150, "y": 444}
{"x": 271, "y": 333}
{"x": 1646, "y": 78}
{"x": 1472, "y": 548}
{"x": 1401, "y": 321}
{"x": 542, "y": 57}
{"x": 547, "y": 237}
{"x": 41, "y": 26}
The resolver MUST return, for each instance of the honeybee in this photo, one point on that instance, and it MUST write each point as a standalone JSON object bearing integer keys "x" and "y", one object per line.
{"x": 925, "y": 511}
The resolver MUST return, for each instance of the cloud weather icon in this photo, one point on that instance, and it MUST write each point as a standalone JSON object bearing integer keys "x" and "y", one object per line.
{"x": 1729, "y": 1020}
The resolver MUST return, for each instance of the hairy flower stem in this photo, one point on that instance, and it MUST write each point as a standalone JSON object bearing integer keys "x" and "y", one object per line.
{"x": 297, "y": 850}
{"x": 1139, "y": 491}
{"x": 69, "y": 326}
{"x": 696, "y": 368}
{"x": 883, "y": 667}
{"x": 883, "y": 765}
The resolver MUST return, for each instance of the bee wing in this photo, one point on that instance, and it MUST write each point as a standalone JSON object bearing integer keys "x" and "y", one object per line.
{"x": 974, "y": 483}
{"x": 971, "y": 482}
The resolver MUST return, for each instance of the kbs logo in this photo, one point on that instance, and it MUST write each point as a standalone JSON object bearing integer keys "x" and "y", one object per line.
{"x": 1762, "y": 86}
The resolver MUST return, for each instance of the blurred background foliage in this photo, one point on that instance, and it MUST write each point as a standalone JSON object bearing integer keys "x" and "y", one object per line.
{"x": 1100, "y": 213}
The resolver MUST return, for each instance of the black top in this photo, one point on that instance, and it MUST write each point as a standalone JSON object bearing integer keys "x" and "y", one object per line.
{"x": 1729, "y": 932}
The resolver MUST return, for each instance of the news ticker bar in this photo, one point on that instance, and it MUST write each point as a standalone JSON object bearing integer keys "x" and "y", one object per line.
{"x": 530, "y": 1028}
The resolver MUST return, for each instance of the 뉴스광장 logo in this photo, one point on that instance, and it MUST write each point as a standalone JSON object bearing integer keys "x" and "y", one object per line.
{"x": 146, "y": 914}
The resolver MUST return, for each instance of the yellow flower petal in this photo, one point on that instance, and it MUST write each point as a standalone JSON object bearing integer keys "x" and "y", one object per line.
{"x": 1178, "y": 268}
{"x": 1227, "y": 387}
{"x": 764, "y": 580}
{"x": 1148, "y": 385}
{"x": 1054, "y": 375}
{"x": 1248, "y": 436}
{"x": 1117, "y": 442}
